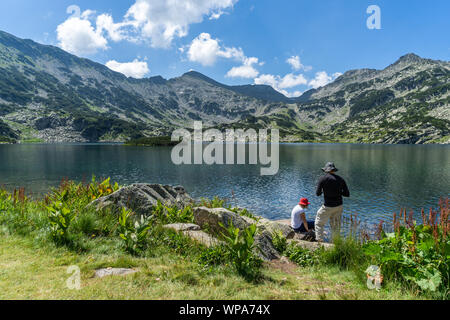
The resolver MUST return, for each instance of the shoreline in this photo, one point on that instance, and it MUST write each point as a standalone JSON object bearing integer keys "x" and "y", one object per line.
{"x": 281, "y": 143}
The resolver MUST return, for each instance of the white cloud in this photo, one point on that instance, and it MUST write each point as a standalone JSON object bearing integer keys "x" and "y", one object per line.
{"x": 267, "y": 79}
{"x": 206, "y": 50}
{"x": 136, "y": 69}
{"x": 217, "y": 15}
{"x": 157, "y": 22}
{"x": 296, "y": 64}
{"x": 294, "y": 94}
{"x": 290, "y": 80}
{"x": 77, "y": 35}
{"x": 115, "y": 31}
{"x": 322, "y": 79}
{"x": 160, "y": 21}
{"x": 243, "y": 72}
{"x": 247, "y": 70}
{"x": 281, "y": 83}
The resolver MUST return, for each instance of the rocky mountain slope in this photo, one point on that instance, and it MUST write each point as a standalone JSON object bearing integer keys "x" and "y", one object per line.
{"x": 47, "y": 94}
{"x": 407, "y": 102}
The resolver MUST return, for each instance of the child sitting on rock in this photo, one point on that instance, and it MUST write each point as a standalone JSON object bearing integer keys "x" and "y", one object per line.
{"x": 298, "y": 218}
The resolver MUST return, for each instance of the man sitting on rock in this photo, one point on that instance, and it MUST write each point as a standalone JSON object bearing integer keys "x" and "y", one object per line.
{"x": 298, "y": 219}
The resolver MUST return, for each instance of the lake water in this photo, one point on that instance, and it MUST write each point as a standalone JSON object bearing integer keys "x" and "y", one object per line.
{"x": 382, "y": 178}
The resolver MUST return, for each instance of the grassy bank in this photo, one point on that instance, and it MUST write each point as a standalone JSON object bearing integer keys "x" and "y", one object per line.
{"x": 40, "y": 239}
{"x": 33, "y": 270}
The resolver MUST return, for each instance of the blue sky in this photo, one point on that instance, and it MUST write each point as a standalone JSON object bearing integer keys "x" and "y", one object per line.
{"x": 291, "y": 45}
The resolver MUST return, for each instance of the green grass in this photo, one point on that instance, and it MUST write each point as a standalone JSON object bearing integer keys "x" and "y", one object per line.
{"x": 35, "y": 253}
{"x": 30, "y": 270}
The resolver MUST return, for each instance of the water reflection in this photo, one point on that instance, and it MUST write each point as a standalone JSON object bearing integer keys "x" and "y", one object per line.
{"x": 381, "y": 178}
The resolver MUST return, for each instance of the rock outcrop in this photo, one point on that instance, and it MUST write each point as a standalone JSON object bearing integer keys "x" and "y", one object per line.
{"x": 211, "y": 219}
{"x": 202, "y": 237}
{"x": 179, "y": 227}
{"x": 142, "y": 198}
{"x": 311, "y": 245}
{"x": 276, "y": 226}
{"x": 194, "y": 232}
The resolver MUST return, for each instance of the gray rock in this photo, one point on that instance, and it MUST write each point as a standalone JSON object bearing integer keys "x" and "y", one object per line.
{"x": 275, "y": 226}
{"x": 211, "y": 217}
{"x": 311, "y": 245}
{"x": 305, "y": 236}
{"x": 50, "y": 122}
{"x": 100, "y": 273}
{"x": 202, "y": 237}
{"x": 142, "y": 198}
{"x": 264, "y": 246}
{"x": 182, "y": 227}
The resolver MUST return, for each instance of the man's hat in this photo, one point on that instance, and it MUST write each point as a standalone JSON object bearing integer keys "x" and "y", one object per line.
{"x": 304, "y": 201}
{"x": 329, "y": 167}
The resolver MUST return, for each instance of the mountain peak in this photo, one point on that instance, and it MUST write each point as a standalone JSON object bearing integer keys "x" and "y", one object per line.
{"x": 195, "y": 74}
{"x": 198, "y": 75}
{"x": 410, "y": 57}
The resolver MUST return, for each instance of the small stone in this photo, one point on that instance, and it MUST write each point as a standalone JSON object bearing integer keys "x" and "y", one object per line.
{"x": 182, "y": 227}
{"x": 311, "y": 245}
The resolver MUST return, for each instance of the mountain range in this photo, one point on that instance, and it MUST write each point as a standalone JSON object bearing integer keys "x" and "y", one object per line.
{"x": 49, "y": 95}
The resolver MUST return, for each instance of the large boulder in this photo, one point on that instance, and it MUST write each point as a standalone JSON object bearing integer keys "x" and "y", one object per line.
{"x": 202, "y": 237}
{"x": 179, "y": 227}
{"x": 211, "y": 218}
{"x": 264, "y": 246}
{"x": 311, "y": 245}
{"x": 276, "y": 226}
{"x": 142, "y": 198}
{"x": 193, "y": 231}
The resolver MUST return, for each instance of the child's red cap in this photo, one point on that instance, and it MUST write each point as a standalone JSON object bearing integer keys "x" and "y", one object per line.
{"x": 304, "y": 201}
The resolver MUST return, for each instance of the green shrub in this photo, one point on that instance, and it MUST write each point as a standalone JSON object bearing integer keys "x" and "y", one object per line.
{"x": 213, "y": 256}
{"x": 243, "y": 212}
{"x": 175, "y": 215}
{"x": 240, "y": 245}
{"x": 60, "y": 216}
{"x": 347, "y": 254}
{"x": 279, "y": 241}
{"x": 86, "y": 223}
{"x": 216, "y": 202}
{"x": 301, "y": 256}
{"x": 134, "y": 234}
{"x": 179, "y": 243}
{"x": 413, "y": 256}
{"x": 171, "y": 214}
{"x": 159, "y": 212}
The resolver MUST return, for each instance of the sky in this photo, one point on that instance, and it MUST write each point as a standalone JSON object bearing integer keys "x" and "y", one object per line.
{"x": 291, "y": 45}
